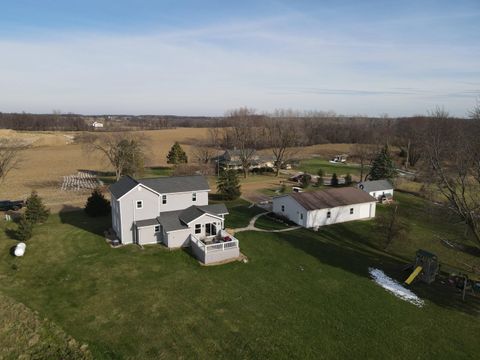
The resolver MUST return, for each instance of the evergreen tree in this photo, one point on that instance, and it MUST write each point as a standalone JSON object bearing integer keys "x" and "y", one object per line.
{"x": 320, "y": 174}
{"x": 383, "y": 166}
{"x": 36, "y": 212}
{"x": 348, "y": 179}
{"x": 24, "y": 229}
{"x": 334, "y": 181}
{"x": 176, "y": 155}
{"x": 305, "y": 180}
{"x": 228, "y": 185}
{"x": 97, "y": 205}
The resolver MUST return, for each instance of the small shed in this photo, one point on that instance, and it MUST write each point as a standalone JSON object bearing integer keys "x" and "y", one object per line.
{"x": 382, "y": 190}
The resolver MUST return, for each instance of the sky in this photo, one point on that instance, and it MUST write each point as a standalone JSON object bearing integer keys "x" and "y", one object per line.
{"x": 399, "y": 58}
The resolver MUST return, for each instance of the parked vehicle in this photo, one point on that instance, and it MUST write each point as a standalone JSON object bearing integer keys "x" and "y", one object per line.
{"x": 20, "y": 249}
{"x": 6, "y": 205}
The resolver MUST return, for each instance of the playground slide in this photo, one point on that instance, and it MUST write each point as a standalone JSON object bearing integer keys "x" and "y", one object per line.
{"x": 413, "y": 275}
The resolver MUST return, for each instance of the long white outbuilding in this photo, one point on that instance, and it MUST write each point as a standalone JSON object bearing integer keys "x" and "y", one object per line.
{"x": 325, "y": 207}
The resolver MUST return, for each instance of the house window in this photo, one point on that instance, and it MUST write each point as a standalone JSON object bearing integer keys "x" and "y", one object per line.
{"x": 351, "y": 211}
{"x": 164, "y": 199}
{"x": 157, "y": 229}
{"x": 198, "y": 228}
{"x": 329, "y": 214}
{"x": 194, "y": 196}
{"x": 283, "y": 208}
{"x": 301, "y": 216}
{"x": 139, "y": 204}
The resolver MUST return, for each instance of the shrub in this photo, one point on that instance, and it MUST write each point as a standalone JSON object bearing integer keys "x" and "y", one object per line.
{"x": 334, "y": 181}
{"x": 24, "y": 230}
{"x": 36, "y": 212}
{"x": 305, "y": 180}
{"x": 97, "y": 205}
{"x": 348, "y": 179}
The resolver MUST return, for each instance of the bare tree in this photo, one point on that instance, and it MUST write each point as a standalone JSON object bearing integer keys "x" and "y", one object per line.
{"x": 282, "y": 136}
{"x": 124, "y": 151}
{"x": 391, "y": 226}
{"x": 244, "y": 135}
{"x": 453, "y": 159}
{"x": 364, "y": 154}
{"x": 9, "y": 155}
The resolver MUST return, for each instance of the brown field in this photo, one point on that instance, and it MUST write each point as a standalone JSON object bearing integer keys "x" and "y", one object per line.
{"x": 52, "y": 155}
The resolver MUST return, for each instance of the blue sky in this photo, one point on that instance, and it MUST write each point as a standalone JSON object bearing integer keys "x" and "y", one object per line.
{"x": 205, "y": 57}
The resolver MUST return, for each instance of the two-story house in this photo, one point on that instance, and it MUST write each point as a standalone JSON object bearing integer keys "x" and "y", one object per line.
{"x": 173, "y": 211}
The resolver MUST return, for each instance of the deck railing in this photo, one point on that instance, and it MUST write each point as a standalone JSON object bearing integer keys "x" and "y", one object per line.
{"x": 221, "y": 246}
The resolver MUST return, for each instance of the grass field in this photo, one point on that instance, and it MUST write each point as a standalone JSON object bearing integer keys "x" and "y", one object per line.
{"x": 312, "y": 165}
{"x": 301, "y": 295}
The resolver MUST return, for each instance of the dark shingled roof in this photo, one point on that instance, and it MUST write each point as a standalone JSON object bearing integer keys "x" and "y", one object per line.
{"x": 162, "y": 185}
{"x": 170, "y": 221}
{"x": 375, "y": 185}
{"x": 148, "y": 222}
{"x": 177, "y": 220}
{"x": 326, "y": 199}
{"x": 122, "y": 186}
{"x": 173, "y": 184}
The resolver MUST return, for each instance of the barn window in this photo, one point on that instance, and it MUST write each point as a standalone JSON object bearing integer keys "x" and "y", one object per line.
{"x": 198, "y": 228}
{"x": 164, "y": 199}
{"x": 139, "y": 204}
{"x": 157, "y": 228}
{"x": 301, "y": 216}
{"x": 194, "y": 196}
{"x": 329, "y": 214}
{"x": 283, "y": 208}
{"x": 351, "y": 211}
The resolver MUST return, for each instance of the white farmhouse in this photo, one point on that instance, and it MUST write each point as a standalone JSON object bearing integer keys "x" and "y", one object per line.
{"x": 172, "y": 211}
{"x": 325, "y": 207}
{"x": 97, "y": 125}
{"x": 382, "y": 190}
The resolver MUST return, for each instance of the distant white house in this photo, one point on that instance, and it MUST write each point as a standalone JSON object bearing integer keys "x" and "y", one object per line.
{"x": 382, "y": 190}
{"x": 97, "y": 124}
{"x": 325, "y": 207}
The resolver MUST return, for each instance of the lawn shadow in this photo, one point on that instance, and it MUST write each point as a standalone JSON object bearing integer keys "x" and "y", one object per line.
{"x": 75, "y": 216}
{"x": 345, "y": 249}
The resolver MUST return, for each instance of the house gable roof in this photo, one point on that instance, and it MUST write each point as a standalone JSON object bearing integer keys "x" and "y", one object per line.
{"x": 326, "y": 199}
{"x": 174, "y": 184}
{"x": 375, "y": 185}
{"x": 122, "y": 186}
{"x": 178, "y": 220}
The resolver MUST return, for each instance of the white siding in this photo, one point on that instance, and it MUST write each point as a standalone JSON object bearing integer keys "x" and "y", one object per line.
{"x": 292, "y": 210}
{"x": 130, "y": 213}
{"x": 340, "y": 214}
{"x": 180, "y": 201}
{"x": 147, "y": 235}
{"x": 315, "y": 218}
{"x": 179, "y": 238}
{"x": 380, "y": 193}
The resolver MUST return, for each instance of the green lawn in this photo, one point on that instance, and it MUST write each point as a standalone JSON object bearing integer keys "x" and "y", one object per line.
{"x": 301, "y": 295}
{"x": 240, "y": 213}
{"x": 267, "y": 222}
{"x": 312, "y": 165}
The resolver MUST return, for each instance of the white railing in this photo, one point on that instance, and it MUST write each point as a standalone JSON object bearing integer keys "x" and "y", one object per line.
{"x": 221, "y": 246}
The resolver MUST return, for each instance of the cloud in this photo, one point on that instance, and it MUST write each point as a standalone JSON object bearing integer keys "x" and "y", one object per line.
{"x": 265, "y": 64}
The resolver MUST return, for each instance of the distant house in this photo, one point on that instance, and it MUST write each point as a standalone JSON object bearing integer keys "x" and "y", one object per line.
{"x": 325, "y": 207}
{"x": 97, "y": 125}
{"x": 382, "y": 190}
{"x": 172, "y": 211}
{"x": 231, "y": 159}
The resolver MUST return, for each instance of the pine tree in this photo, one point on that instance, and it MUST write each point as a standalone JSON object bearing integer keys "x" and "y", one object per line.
{"x": 334, "y": 181}
{"x": 383, "y": 166}
{"x": 320, "y": 174}
{"x": 176, "y": 155}
{"x": 36, "y": 212}
{"x": 97, "y": 205}
{"x": 228, "y": 185}
{"x": 348, "y": 179}
{"x": 24, "y": 229}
